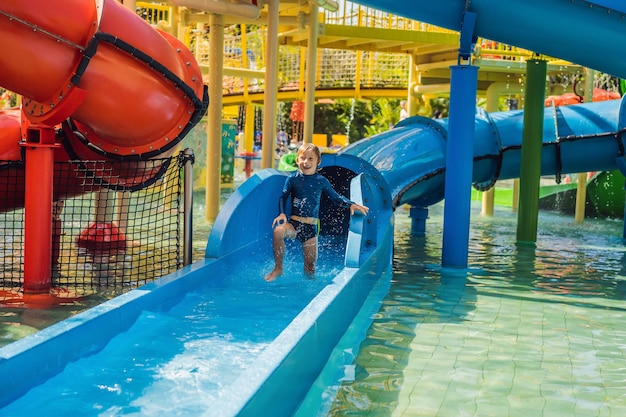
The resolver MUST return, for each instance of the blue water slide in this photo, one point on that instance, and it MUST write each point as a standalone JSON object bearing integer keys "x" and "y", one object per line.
{"x": 412, "y": 156}
{"x": 588, "y": 33}
{"x": 245, "y": 220}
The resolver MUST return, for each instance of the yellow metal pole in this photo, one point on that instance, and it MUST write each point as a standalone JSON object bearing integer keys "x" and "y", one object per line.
{"x": 311, "y": 69}
{"x": 248, "y": 139}
{"x": 214, "y": 116}
{"x": 177, "y": 24}
{"x": 370, "y": 56}
{"x": 412, "y": 99}
{"x": 247, "y": 144}
{"x": 411, "y": 102}
{"x": 370, "y": 67}
{"x": 244, "y": 59}
{"x": 302, "y": 73}
{"x": 248, "y": 129}
{"x": 357, "y": 74}
{"x": 581, "y": 186}
{"x": 488, "y": 202}
{"x": 581, "y": 197}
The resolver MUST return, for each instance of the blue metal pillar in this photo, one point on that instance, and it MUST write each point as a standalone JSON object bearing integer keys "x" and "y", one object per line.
{"x": 459, "y": 164}
{"x": 418, "y": 216}
{"x": 460, "y": 152}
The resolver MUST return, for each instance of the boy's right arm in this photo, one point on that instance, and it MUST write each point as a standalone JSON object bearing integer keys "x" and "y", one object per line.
{"x": 282, "y": 204}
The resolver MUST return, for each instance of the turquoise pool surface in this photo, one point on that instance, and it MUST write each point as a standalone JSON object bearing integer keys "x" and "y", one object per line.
{"x": 525, "y": 331}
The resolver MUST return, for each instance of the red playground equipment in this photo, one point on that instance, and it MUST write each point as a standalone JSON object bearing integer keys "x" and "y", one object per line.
{"x": 97, "y": 82}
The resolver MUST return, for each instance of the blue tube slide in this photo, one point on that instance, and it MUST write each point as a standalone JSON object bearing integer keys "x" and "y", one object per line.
{"x": 588, "y": 33}
{"x": 412, "y": 156}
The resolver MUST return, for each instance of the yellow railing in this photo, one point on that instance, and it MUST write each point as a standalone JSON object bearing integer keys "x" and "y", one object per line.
{"x": 153, "y": 13}
{"x": 336, "y": 68}
{"x": 352, "y": 14}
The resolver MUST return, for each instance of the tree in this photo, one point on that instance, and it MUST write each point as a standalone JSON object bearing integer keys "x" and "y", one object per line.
{"x": 385, "y": 115}
{"x": 357, "y": 119}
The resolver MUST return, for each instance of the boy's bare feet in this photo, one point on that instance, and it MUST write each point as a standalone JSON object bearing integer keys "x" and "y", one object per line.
{"x": 273, "y": 275}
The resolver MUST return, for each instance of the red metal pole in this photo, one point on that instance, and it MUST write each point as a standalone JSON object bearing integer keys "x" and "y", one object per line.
{"x": 248, "y": 167}
{"x": 39, "y": 148}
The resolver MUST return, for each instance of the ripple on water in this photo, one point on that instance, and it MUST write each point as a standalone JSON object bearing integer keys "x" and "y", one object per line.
{"x": 525, "y": 327}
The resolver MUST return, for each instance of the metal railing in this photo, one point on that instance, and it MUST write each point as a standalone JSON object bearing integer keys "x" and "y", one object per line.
{"x": 335, "y": 68}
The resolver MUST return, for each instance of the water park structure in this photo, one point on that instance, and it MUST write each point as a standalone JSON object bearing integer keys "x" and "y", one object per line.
{"x": 418, "y": 163}
{"x": 389, "y": 56}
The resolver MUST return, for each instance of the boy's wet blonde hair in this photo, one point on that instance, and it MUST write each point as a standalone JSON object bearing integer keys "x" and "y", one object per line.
{"x": 309, "y": 146}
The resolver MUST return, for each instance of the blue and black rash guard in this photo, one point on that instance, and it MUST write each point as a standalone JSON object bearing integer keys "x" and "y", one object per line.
{"x": 306, "y": 193}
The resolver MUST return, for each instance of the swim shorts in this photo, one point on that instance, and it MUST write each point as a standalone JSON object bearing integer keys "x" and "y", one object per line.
{"x": 304, "y": 231}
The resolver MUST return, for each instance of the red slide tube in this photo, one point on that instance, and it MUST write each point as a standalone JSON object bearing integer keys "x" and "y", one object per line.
{"x": 128, "y": 88}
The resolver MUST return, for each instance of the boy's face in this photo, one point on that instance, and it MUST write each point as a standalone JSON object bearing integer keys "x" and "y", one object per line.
{"x": 307, "y": 162}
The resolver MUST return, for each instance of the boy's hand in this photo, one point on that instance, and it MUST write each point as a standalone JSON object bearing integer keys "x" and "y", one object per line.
{"x": 361, "y": 209}
{"x": 280, "y": 219}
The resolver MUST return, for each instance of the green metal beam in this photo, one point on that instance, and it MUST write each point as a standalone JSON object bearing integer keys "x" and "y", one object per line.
{"x": 532, "y": 141}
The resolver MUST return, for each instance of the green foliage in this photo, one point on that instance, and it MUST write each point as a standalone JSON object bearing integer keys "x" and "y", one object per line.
{"x": 440, "y": 105}
{"x": 356, "y": 118}
{"x": 385, "y": 115}
{"x": 344, "y": 116}
{"x": 7, "y": 99}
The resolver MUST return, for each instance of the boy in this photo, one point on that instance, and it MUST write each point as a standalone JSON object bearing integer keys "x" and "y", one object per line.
{"x": 305, "y": 186}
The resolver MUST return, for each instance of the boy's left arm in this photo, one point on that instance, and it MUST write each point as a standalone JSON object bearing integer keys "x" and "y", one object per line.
{"x": 341, "y": 200}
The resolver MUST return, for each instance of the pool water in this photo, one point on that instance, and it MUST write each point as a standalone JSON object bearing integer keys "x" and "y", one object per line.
{"x": 524, "y": 331}
{"x": 184, "y": 358}
{"x": 17, "y": 322}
